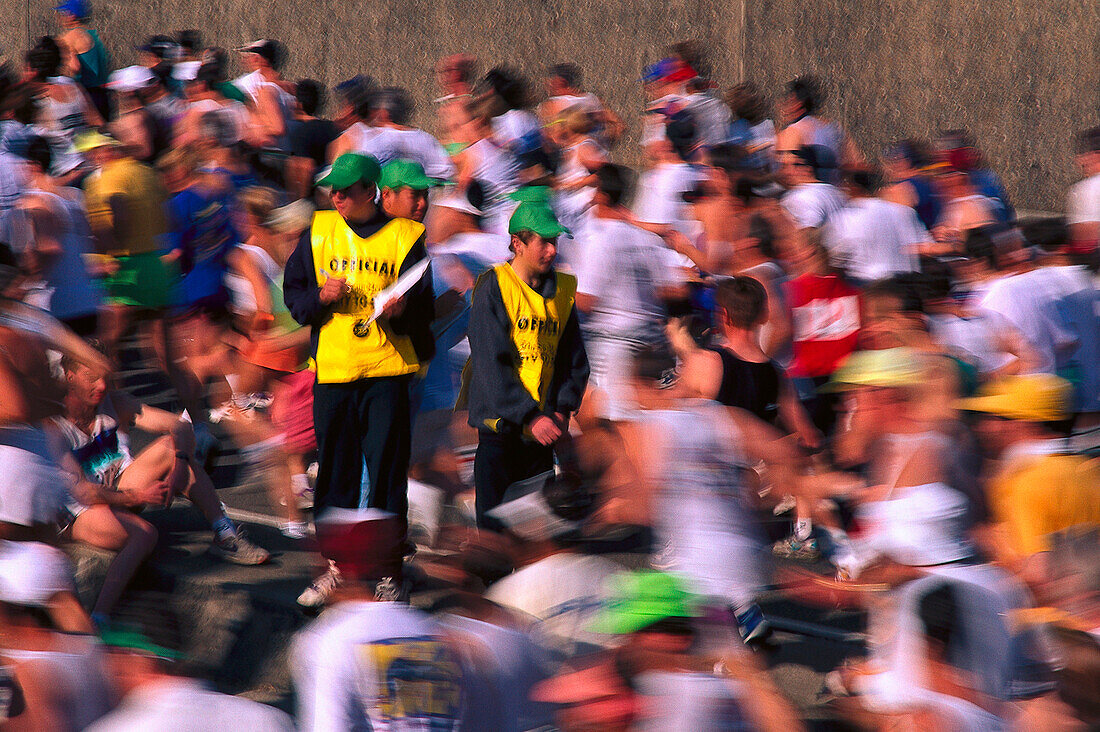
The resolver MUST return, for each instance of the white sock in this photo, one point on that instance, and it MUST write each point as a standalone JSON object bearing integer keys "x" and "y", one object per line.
{"x": 802, "y": 529}
{"x": 299, "y": 483}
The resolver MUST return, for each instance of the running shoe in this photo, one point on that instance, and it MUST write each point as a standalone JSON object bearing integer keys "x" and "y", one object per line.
{"x": 321, "y": 589}
{"x": 800, "y": 551}
{"x": 232, "y": 546}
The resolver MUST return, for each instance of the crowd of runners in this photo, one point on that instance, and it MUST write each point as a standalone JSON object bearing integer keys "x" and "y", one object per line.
{"x": 558, "y": 431}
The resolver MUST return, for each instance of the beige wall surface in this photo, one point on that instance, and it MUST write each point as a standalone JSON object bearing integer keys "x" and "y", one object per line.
{"x": 1022, "y": 76}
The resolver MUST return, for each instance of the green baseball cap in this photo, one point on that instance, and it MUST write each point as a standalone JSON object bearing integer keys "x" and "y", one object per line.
{"x": 349, "y": 169}
{"x": 404, "y": 174}
{"x": 536, "y": 217}
{"x": 531, "y": 194}
{"x": 640, "y": 599}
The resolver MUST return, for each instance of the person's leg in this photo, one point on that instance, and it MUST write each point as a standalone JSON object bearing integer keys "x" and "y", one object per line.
{"x": 129, "y": 535}
{"x": 153, "y": 463}
{"x": 112, "y": 325}
{"x": 339, "y": 445}
{"x": 500, "y": 461}
{"x": 492, "y": 475}
{"x": 385, "y": 443}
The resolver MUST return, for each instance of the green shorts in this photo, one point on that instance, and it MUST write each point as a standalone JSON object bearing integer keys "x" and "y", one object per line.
{"x": 142, "y": 281}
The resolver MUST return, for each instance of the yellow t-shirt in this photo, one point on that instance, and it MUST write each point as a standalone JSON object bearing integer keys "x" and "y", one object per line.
{"x": 140, "y": 187}
{"x": 1036, "y": 496}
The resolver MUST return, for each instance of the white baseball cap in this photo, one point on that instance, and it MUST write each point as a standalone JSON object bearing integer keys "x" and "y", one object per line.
{"x": 130, "y": 78}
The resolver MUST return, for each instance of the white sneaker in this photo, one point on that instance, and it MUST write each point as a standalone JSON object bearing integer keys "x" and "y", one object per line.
{"x": 320, "y": 590}
{"x": 233, "y": 547}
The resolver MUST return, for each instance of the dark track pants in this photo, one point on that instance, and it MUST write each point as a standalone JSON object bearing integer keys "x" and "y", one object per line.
{"x": 363, "y": 421}
{"x": 500, "y": 461}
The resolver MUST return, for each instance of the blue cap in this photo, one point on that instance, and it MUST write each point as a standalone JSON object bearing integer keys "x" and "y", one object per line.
{"x": 657, "y": 71}
{"x": 76, "y": 8}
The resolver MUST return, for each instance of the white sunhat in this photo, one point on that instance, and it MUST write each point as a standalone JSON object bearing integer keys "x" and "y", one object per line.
{"x": 130, "y": 78}
{"x": 31, "y": 573}
{"x": 186, "y": 70}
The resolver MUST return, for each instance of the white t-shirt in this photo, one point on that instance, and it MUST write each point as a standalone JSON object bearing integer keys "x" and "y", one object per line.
{"x": 388, "y": 143}
{"x": 498, "y": 172}
{"x": 659, "y": 198}
{"x": 476, "y": 247}
{"x": 515, "y": 126}
{"x": 1029, "y": 304}
{"x": 703, "y": 527}
{"x": 504, "y": 664}
{"x": 185, "y": 705}
{"x": 711, "y": 117}
{"x": 562, "y": 593}
{"x": 973, "y": 338}
{"x": 622, "y": 266}
{"x": 376, "y": 666}
{"x": 1083, "y": 201}
{"x": 42, "y": 489}
{"x": 77, "y": 674}
{"x": 811, "y": 204}
{"x": 240, "y": 289}
{"x": 872, "y": 238}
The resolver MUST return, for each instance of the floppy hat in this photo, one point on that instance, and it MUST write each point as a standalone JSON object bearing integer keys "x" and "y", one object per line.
{"x": 1027, "y": 397}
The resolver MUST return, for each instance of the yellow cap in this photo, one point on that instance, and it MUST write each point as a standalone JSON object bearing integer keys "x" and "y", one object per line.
{"x": 1032, "y": 397}
{"x": 889, "y": 367}
{"x": 91, "y": 140}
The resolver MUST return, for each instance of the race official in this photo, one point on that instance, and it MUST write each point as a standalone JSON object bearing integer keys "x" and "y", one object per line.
{"x": 528, "y": 368}
{"x": 361, "y": 398}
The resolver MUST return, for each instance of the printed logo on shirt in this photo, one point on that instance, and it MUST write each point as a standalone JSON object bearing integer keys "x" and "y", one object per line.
{"x": 418, "y": 680}
{"x": 100, "y": 454}
{"x": 826, "y": 320}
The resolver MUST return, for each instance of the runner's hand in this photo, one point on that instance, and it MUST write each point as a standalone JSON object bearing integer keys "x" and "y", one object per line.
{"x": 155, "y": 494}
{"x": 333, "y": 290}
{"x": 393, "y": 308}
{"x": 545, "y": 430}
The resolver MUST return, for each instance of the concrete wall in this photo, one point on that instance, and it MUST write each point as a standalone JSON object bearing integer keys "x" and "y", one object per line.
{"x": 1023, "y": 76}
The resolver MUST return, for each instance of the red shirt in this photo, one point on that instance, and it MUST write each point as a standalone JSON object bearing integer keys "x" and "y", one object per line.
{"x": 825, "y": 319}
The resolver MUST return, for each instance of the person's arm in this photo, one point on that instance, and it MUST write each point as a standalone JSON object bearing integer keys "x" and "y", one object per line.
{"x": 493, "y": 357}
{"x": 612, "y": 125}
{"x": 91, "y": 114}
{"x": 44, "y": 234}
{"x": 267, "y": 117}
{"x": 700, "y": 369}
{"x": 244, "y": 265}
{"x": 570, "y": 370}
{"x": 437, "y": 163}
{"x": 301, "y": 291}
{"x": 779, "y": 320}
{"x": 795, "y": 417}
{"x": 339, "y": 146}
{"x": 418, "y": 309}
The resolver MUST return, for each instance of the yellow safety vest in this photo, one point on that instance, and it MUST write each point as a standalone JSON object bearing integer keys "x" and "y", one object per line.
{"x": 348, "y": 348}
{"x": 537, "y": 324}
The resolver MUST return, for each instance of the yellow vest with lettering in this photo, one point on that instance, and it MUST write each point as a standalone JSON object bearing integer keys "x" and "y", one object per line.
{"x": 537, "y": 323}
{"x": 348, "y": 348}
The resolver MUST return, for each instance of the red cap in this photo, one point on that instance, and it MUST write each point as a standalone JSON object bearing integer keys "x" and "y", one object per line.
{"x": 365, "y": 544}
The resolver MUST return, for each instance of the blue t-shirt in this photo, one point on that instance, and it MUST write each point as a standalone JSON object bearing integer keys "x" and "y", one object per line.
{"x": 201, "y": 227}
